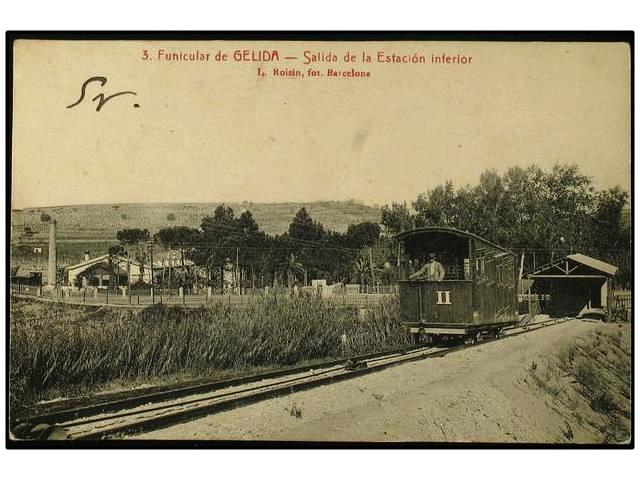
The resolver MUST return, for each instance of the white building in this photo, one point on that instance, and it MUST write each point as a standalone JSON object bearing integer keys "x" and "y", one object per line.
{"x": 98, "y": 271}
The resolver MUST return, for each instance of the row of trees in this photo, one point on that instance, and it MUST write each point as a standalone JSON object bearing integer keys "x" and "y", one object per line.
{"x": 541, "y": 213}
{"x": 544, "y": 214}
{"x": 223, "y": 241}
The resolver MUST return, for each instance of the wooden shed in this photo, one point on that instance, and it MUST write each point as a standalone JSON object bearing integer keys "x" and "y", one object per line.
{"x": 573, "y": 284}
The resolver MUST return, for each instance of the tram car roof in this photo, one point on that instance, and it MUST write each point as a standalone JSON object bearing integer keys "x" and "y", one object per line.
{"x": 430, "y": 231}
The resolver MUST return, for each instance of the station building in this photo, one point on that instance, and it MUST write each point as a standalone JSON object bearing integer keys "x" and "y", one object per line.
{"x": 573, "y": 284}
{"x": 98, "y": 271}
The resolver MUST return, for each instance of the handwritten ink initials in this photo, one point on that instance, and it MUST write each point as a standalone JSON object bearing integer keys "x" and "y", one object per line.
{"x": 101, "y": 98}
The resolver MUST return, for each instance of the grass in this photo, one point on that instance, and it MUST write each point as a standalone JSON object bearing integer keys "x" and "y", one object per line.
{"x": 57, "y": 349}
{"x": 591, "y": 379}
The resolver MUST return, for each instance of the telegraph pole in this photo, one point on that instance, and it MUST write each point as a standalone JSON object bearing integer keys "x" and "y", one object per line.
{"x": 238, "y": 269}
{"x": 150, "y": 245}
{"x": 170, "y": 258}
{"x": 128, "y": 271}
{"x": 371, "y": 267}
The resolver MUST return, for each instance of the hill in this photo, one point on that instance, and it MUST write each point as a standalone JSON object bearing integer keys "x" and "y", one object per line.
{"x": 93, "y": 228}
{"x": 101, "y": 222}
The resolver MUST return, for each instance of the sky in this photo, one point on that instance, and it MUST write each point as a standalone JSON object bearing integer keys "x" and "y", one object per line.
{"x": 217, "y": 131}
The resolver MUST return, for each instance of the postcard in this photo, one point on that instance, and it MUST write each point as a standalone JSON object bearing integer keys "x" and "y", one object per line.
{"x": 320, "y": 240}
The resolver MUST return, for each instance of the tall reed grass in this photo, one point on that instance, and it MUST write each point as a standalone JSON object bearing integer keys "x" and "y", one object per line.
{"x": 57, "y": 346}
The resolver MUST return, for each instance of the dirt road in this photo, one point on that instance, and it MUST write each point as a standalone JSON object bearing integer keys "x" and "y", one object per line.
{"x": 481, "y": 394}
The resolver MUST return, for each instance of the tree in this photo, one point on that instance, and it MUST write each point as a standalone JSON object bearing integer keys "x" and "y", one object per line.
{"x": 611, "y": 232}
{"x": 397, "y": 218}
{"x": 117, "y": 250}
{"x": 135, "y": 239}
{"x": 568, "y": 197}
{"x": 62, "y": 276}
{"x": 337, "y": 254}
{"x": 438, "y": 207}
{"x": 247, "y": 224}
{"x": 304, "y": 227}
{"x": 223, "y": 237}
{"x": 362, "y": 234}
{"x": 249, "y": 242}
{"x": 551, "y": 213}
{"x": 219, "y": 238}
{"x": 363, "y": 271}
{"x": 180, "y": 238}
{"x": 292, "y": 269}
{"x": 525, "y": 208}
{"x": 45, "y": 217}
{"x": 306, "y": 239}
{"x": 114, "y": 253}
{"x": 133, "y": 236}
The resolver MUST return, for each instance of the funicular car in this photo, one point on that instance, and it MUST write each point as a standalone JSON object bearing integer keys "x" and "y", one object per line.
{"x": 476, "y": 297}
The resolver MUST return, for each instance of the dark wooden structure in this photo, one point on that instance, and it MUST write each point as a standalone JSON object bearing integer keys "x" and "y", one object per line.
{"x": 477, "y": 295}
{"x": 573, "y": 284}
{"x": 26, "y": 276}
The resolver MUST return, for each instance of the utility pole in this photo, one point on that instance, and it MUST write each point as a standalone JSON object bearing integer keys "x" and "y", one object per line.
{"x": 170, "y": 263}
{"x": 238, "y": 269}
{"x": 150, "y": 245}
{"x": 111, "y": 272}
{"x": 128, "y": 271}
{"x": 371, "y": 266}
{"x": 117, "y": 271}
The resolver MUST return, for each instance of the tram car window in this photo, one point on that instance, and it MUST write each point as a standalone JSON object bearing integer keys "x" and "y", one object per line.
{"x": 467, "y": 302}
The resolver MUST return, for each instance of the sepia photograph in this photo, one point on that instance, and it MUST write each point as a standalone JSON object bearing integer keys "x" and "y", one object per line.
{"x": 319, "y": 240}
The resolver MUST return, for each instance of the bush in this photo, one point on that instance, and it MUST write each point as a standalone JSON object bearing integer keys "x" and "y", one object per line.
{"x": 566, "y": 355}
{"x": 604, "y": 402}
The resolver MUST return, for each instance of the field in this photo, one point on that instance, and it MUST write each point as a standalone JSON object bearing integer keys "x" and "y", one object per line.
{"x": 63, "y": 350}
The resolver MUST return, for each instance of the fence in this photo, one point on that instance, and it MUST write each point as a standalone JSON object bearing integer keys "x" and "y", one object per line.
{"x": 122, "y": 297}
{"x": 622, "y": 304}
{"x": 622, "y": 299}
{"x": 26, "y": 289}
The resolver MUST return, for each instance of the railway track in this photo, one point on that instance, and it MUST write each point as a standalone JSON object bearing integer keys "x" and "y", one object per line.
{"x": 115, "y": 419}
